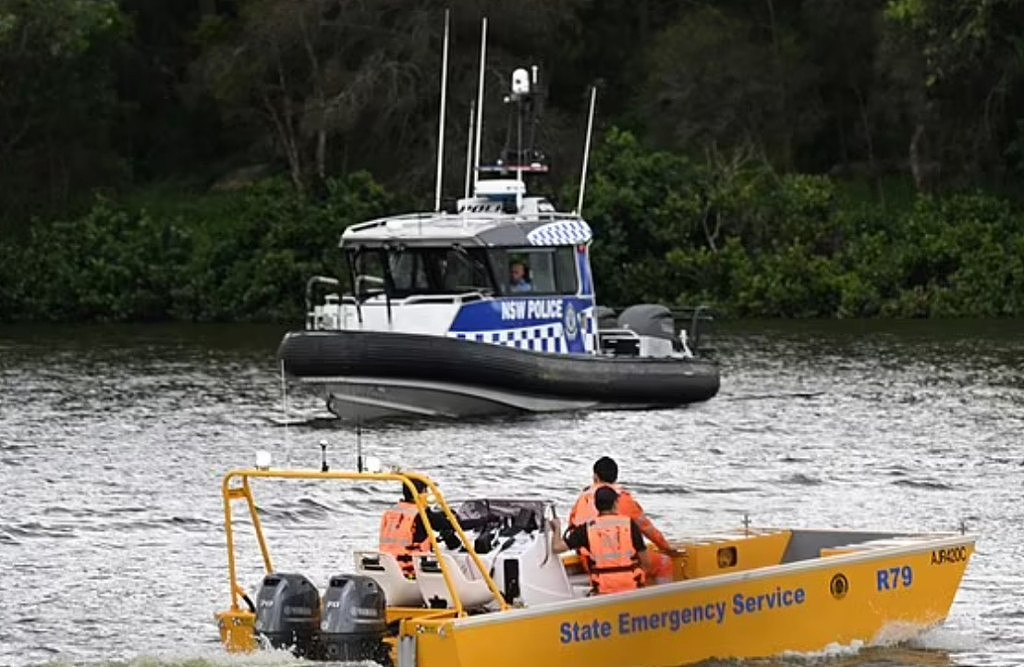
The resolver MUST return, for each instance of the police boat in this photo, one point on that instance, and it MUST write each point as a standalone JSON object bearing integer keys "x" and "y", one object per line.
{"x": 487, "y": 305}
{"x": 736, "y": 594}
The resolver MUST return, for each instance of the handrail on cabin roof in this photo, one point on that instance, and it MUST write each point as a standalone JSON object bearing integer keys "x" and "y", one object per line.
{"x": 513, "y": 218}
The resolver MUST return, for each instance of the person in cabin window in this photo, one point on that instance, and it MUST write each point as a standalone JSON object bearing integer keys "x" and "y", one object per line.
{"x": 519, "y": 277}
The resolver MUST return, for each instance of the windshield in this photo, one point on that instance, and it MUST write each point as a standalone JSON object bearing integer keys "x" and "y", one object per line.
{"x": 410, "y": 271}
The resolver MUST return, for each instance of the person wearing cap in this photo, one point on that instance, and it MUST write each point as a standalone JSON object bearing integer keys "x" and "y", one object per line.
{"x": 606, "y": 473}
{"x": 610, "y": 542}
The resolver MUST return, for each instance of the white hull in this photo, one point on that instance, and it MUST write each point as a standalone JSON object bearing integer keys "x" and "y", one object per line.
{"x": 368, "y": 399}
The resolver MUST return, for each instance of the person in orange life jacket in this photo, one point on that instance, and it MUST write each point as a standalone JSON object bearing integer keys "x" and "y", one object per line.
{"x": 611, "y": 543}
{"x": 403, "y": 534}
{"x": 606, "y": 472}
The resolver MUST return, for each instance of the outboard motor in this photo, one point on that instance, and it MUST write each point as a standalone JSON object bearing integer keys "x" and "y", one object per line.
{"x": 288, "y": 613}
{"x": 605, "y": 317}
{"x": 655, "y": 323}
{"x": 355, "y": 622}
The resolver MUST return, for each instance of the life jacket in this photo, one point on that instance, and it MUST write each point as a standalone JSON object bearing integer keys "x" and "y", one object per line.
{"x": 614, "y": 563}
{"x": 397, "y": 528}
{"x": 585, "y": 508}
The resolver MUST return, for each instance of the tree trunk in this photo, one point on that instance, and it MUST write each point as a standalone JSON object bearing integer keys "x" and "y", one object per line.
{"x": 780, "y": 81}
{"x": 285, "y": 123}
{"x": 287, "y": 141}
{"x": 320, "y": 112}
{"x": 917, "y": 168}
{"x": 872, "y": 165}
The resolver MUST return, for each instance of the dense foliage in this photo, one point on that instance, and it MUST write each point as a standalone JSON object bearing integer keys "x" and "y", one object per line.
{"x": 242, "y": 258}
{"x": 169, "y": 159}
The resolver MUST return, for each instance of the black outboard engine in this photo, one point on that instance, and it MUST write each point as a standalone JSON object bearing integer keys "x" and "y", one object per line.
{"x": 355, "y": 622}
{"x": 605, "y": 317}
{"x": 655, "y": 326}
{"x": 288, "y": 613}
{"x": 649, "y": 319}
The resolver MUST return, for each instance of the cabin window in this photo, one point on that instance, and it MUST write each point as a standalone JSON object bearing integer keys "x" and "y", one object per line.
{"x": 405, "y": 271}
{"x": 548, "y": 270}
{"x": 368, "y": 270}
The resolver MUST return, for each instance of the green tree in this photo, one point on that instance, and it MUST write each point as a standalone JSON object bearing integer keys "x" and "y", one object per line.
{"x": 965, "y": 82}
{"x": 57, "y": 101}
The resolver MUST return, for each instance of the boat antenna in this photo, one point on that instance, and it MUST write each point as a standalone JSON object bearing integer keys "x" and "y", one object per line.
{"x": 359, "y": 446}
{"x": 323, "y": 456}
{"x": 586, "y": 151}
{"x": 519, "y": 141}
{"x": 480, "y": 101}
{"x": 440, "y": 124}
{"x": 284, "y": 410}
{"x": 469, "y": 148}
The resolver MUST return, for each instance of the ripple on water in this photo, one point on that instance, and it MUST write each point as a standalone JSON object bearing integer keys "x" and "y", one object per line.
{"x": 115, "y": 441}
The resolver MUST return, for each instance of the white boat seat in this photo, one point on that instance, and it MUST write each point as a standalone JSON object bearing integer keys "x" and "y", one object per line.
{"x": 472, "y": 590}
{"x": 399, "y": 591}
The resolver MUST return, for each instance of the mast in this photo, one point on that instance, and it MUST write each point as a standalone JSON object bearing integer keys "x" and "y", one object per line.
{"x": 440, "y": 124}
{"x": 586, "y": 151}
{"x": 480, "y": 99}
{"x": 469, "y": 149}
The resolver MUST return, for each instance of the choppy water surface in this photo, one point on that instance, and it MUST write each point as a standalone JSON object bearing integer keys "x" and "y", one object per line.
{"x": 113, "y": 442}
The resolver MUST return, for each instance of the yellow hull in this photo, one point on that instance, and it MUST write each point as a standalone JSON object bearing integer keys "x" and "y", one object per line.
{"x": 872, "y": 595}
{"x": 745, "y": 594}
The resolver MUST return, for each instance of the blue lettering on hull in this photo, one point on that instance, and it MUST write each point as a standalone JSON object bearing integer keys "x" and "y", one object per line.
{"x": 676, "y": 619}
{"x": 751, "y": 604}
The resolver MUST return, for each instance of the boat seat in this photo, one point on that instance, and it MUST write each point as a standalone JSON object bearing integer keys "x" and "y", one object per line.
{"x": 399, "y": 591}
{"x": 472, "y": 590}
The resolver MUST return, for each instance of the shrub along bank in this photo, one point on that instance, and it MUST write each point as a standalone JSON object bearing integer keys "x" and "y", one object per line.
{"x": 725, "y": 231}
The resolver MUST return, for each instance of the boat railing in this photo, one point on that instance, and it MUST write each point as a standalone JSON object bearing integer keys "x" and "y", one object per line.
{"x": 624, "y": 342}
{"x": 701, "y": 319}
{"x": 467, "y": 216}
{"x": 328, "y": 313}
{"x": 311, "y": 285}
{"x": 236, "y": 486}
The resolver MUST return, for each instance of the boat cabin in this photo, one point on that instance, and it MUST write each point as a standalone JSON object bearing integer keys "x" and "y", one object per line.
{"x": 504, "y": 267}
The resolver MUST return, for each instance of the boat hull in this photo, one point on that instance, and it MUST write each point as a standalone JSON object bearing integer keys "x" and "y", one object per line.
{"x": 803, "y": 607}
{"x": 370, "y": 375}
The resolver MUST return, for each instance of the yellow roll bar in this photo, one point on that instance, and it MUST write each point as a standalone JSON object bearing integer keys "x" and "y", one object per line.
{"x": 243, "y": 490}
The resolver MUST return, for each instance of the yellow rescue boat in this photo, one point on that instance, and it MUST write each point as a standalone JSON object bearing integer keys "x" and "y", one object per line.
{"x": 738, "y": 594}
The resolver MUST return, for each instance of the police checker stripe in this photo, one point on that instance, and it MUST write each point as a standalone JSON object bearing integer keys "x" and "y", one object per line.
{"x": 545, "y": 338}
{"x": 565, "y": 232}
{"x": 542, "y": 338}
{"x": 589, "y": 330}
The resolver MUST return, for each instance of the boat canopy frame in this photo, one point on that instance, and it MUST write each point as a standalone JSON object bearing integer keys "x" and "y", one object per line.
{"x": 236, "y": 486}
{"x": 487, "y": 229}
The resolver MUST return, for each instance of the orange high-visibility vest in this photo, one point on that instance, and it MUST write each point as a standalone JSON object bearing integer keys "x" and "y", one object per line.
{"x": 397, "y": 527}
{"x": 614, "y": 563}
{"x": 585, "y": 509}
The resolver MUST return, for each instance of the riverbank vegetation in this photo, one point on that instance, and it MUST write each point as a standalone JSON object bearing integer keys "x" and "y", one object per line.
{"x": 198, "y": 161}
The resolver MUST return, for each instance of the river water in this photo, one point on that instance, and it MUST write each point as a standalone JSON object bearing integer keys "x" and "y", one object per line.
{"x": 113, "y": 441}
